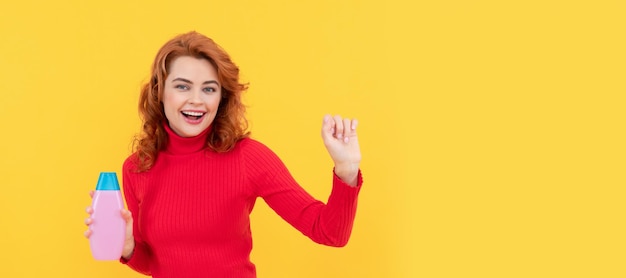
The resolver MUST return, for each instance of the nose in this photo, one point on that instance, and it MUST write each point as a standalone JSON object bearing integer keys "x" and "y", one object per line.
{"x": 196, "y": 97}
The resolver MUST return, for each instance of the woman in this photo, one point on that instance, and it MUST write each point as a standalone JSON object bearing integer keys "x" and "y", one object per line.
{"x": 194, "y": 178}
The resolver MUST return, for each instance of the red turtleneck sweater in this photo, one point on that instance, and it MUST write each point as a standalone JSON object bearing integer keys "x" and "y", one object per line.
{"x": 191, "y": 209}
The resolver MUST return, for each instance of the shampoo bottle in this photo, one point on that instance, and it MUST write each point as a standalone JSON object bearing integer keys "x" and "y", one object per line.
{"x": 108, "y": 228}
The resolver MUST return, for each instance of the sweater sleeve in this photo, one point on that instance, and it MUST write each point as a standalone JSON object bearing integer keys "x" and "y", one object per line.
{"x": 141, "y": 257}
{"x": 327, "y": 223}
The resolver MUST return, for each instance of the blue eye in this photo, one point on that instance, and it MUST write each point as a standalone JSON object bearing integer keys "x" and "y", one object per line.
{"x": 209, "y": 89}
{"x": 181, "y": 87}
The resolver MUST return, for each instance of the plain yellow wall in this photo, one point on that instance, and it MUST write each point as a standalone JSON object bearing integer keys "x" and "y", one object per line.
{"x": 492, "y": 131}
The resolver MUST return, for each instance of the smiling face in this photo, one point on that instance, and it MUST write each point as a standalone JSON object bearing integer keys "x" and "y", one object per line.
{"x": 191, "y": 95}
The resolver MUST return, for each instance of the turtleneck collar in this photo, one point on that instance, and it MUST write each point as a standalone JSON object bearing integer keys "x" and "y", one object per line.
{"x": 185, "y": 145}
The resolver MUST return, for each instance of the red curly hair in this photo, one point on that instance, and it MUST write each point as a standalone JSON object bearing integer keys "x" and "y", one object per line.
{"x": 230, "y": 124}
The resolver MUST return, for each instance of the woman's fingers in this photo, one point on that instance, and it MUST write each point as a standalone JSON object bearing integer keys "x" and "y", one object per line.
{"x": 339, "y": 127}
{"x": 336, "y": 127}
{"x": 348, "y": 129}
{"x": 353, "y": 124}
{"x": 88, "y": 220}
{"x": 328, "y": 127}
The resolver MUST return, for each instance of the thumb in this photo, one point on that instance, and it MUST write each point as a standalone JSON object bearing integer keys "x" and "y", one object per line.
{"x": 127, "y": 216}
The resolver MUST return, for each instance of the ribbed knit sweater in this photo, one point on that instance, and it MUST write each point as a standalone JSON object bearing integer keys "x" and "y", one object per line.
{"x": 191, "y": 209}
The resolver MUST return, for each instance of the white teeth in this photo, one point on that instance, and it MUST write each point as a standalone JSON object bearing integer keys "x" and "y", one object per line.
{"x": 192, "y": 113}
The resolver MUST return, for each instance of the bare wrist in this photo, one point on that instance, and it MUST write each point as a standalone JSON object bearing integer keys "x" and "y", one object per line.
{"x": 126, "y": 255}
{"x": 347, "y": 173}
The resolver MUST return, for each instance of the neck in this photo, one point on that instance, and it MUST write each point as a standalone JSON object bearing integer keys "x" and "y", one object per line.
{"x": 177, "y": 144}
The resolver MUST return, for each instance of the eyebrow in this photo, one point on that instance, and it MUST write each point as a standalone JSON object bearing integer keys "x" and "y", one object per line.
{"x": 187, "y": 81}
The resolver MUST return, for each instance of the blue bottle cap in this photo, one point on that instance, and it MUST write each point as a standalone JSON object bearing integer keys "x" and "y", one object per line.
{"x": 108, "y": 181}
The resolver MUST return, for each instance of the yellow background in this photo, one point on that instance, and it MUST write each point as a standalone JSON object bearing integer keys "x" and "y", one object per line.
{"x": 492, "y": 131}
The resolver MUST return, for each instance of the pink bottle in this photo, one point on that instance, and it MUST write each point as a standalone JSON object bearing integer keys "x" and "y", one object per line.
{"x": 108, "y": 227}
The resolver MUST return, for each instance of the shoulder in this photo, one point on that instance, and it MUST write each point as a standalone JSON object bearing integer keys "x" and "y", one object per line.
{"x": 250, "y": 144}
{"x": 131, "y": 163}
{"x": 253, "y": 149}
{"x": 258, "y": 160}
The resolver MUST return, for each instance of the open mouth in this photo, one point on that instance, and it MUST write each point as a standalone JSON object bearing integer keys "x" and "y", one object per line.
{"x": 192, "y": 115}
